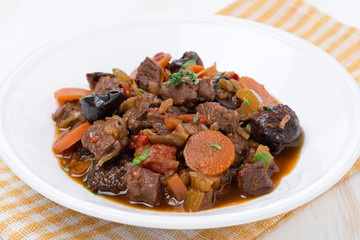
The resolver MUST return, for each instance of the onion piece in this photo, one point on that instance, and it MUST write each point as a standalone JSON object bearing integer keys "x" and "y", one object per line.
{"x": 165, "y": 105}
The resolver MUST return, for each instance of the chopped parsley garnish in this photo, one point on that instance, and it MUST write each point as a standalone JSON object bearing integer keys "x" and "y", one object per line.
{"x": 216, "y": 146}
{"x": 188, "y": 63}
{"x": 141, "y": 90}
{"x": 140, "y": 158}
{"x": 248, "y": 127}
{"x": 196, "y": 118}
{"x": 66, "y": 169}
{"x": 180, "y": 77}
{"x": 115, "y": 113}
{"x": 114, "y": 70}
{"x": 265, "y": 157}
{"x": 222, "y": 74}
{"x": 92, "y": 163}
{"x": 267, "y": 107}
{"x": 246, "y": 102}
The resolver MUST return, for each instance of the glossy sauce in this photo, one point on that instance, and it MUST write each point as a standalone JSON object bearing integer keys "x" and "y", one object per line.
{"x": 225, "y": 196}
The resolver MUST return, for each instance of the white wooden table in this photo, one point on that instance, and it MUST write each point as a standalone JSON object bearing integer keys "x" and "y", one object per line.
{"x": 27, "y": 25}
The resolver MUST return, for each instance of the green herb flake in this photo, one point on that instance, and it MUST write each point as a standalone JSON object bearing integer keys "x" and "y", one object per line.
{"x": 222, "y": 74}
{"x": 196, "y": 118}
{"x": 180, "y": 77}
{"x": 141, "y": 90}
{"x": 246, "y": 102}
{"x": 115, "y": 113}
{"x": 92, "y": 163}
{"x": 267, "y": 107}
{"x": 141, "y": 158}
{"x": 216, "y": 146}
{"x": 66, "y": 169}
{"x": 191, "y": 76}
{"x": 188, "y": 63}
{"x": 248, "y": 127}
{"x": 260, "y": 156}
{"x": 114, "y": 70}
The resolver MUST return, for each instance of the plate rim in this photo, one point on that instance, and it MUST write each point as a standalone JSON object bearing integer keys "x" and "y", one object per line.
{"x": 160, "y": 220}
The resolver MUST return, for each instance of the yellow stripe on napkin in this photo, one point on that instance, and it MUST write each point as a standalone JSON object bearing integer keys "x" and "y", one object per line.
{"x": 26, "y": 214}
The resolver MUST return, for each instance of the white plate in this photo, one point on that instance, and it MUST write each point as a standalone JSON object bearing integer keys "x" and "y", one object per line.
{"x": 322, "y": 93}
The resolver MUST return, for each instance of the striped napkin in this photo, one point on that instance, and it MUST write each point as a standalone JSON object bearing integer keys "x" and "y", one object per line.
{"x": 25, "y": 214}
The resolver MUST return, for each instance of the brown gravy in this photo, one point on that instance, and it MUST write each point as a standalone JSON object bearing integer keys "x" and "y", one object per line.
{"x": 228, "y": 196}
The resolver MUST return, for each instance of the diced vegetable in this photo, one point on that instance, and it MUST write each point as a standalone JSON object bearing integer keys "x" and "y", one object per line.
{"x": 127, "y": 90}
{"x": 189, "y": 118}
{"x": 250, "y": 83}
{"x": 165, "y": 105}
{"x": 188, "y": 63}
{"x": 135, "y": 87}
{"x": 197, "y": 200}
{"x": 212, "y": 71}
{"x": 177, "y": 187}
{"x": 81, "y": 168}
{"x": 263, "y": 154}
{"x": 121, "y": 75}
{"x": 251, "y": 103}
{"x": 184, "y": 175}
{"x": 196, "y": 69}
{"x": 190, "y": 129}
{"x": 226, "y": 85}
{"x": 162, "y": 59}
{"x": 161, "y": 158}
{"x": 153, "y": 88}
{"x": 66, "y": 122}
{"x": 70, "y": 138}
{"x": 205, "y": 159}
{"x": 180, "y": 133}
{"x": 97, "y": 107}
{"x": 127, "y": 104}
{"x": 193, "y": 200}
{"x": 204, "y": 183}
{"x": 70, "y": 94}
{"x": 107, "y": 157}
{"x": 172, "y": 122}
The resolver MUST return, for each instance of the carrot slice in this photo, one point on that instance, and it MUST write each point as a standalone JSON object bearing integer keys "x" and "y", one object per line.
{"x": 249, "y": 83}
{"x": 177, "y": 187}
{"x": 162, "y": 59}
{"x": 196, "y": 69}
{"x": 70, "y": 94}
{"x": 209, "y": 152}
{"x": 70, "y": 138}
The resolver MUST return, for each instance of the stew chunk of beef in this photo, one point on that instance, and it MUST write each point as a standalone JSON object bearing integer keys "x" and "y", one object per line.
{"x": 157, "y": 121}
{"x": 276, "y": 127}
{"x": 228, "y": 120}
{"x": 68, "y": 115}
{"x": 148, "y": 73}
{"x": 143, "y": 185}
{"x": 105, "y": 139}
{"x": 188, "y": 93}
{"x": 110, "y": 177}
{"x": 241, "y": 149}
{"x": 135, "y": 117}
{"x": 253, "y": 179}
{"x": 106, "y": 84}
{"x": 93, "y": 78}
